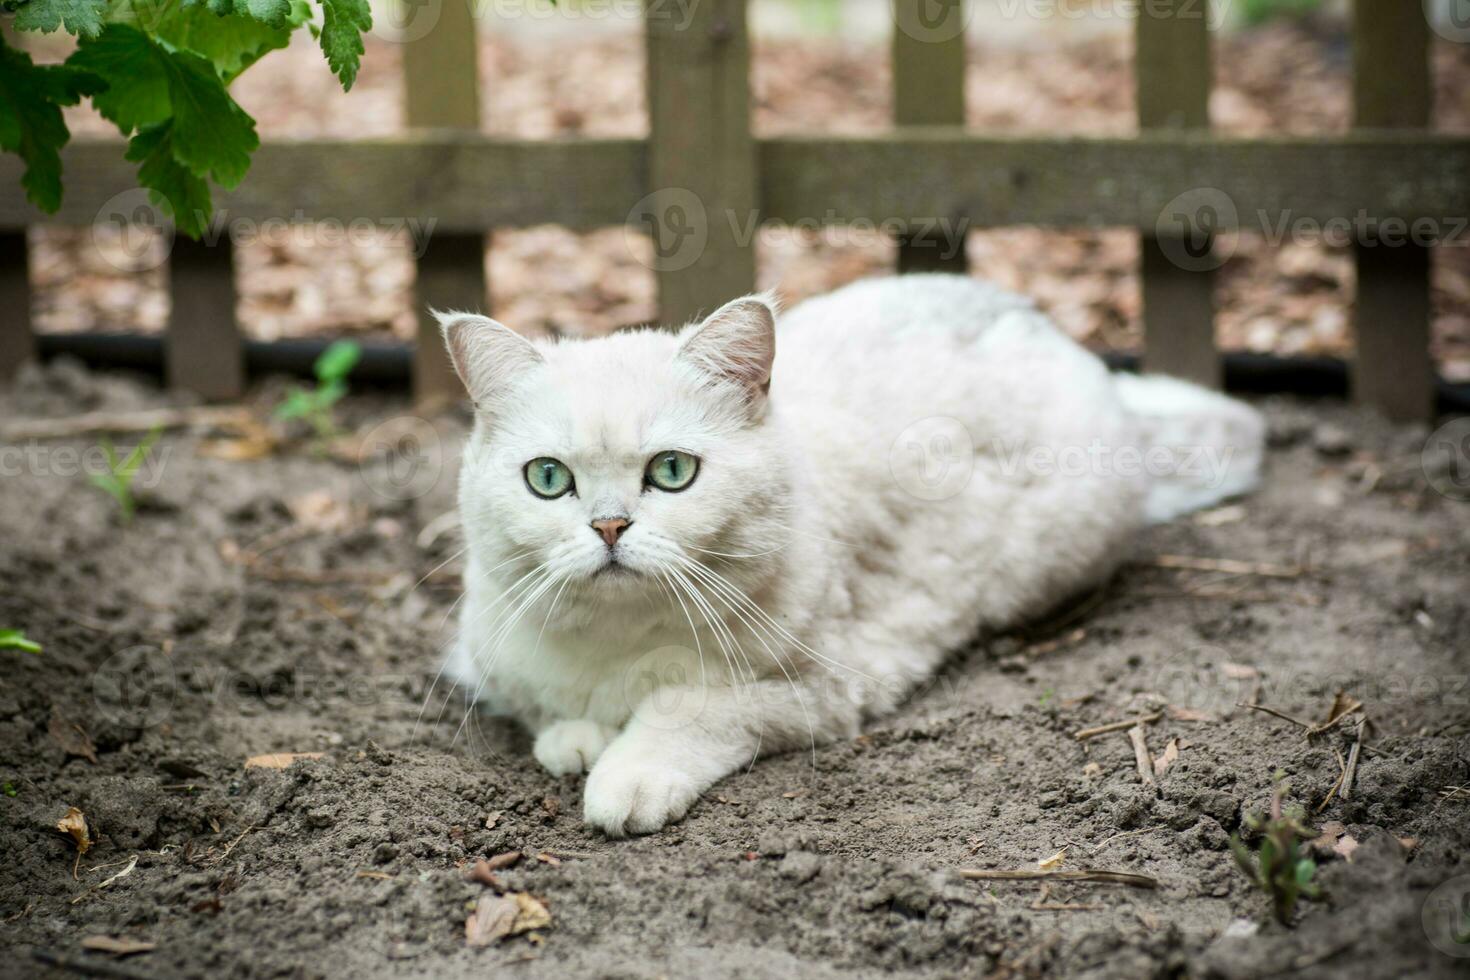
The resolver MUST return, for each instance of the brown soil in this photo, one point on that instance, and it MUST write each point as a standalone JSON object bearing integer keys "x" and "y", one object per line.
{"x": 351, "y": 864}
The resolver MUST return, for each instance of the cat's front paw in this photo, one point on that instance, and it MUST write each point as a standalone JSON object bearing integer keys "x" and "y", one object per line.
{"x": 568, "y": 747}
{"x": 636, "y": 795}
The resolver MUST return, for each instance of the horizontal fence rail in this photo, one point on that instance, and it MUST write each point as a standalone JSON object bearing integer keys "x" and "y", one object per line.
{"x": 471, "y": 183}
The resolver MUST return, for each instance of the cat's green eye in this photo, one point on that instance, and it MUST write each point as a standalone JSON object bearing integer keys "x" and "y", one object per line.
{"x": 672, "y": 470}
{"x": 548, "y": 477}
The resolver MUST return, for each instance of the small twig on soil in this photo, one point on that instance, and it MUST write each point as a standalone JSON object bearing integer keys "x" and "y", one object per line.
{"x": 1128, "y": 833}
{"x": 144, "y": 421}
{"x": 1277, "y": 714}
{"x": 1230, "y": 565}
{"x": 1341, "y": 775}
{"x": 87, "y": 967}
{"x": 568, "y": 855}
{"x": 1056, "y": 643}
{"x": 231, "y": 846}
{"x": 1117, "y": 726}
{"x": 1350, "y": 774}
{"x": 1111, "y": 877}
{"x": 1142, "y": 756}
{"x": 1042, "y": 905}
{"x": 1342, "y": 707}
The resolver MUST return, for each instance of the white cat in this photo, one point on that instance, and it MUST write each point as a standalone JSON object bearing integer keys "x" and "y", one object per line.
{"x": 685, "y": 551}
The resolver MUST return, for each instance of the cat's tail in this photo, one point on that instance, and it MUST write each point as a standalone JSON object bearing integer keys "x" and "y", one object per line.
{"x": 1199, "y": 447}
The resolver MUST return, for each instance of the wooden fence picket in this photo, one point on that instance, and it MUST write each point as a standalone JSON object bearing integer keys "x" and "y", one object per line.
{"x": 929, "y": 90}
{"x": 441, "y": 86}
{"x": 203, "y": 350}
{"x": 701, "y": 212}
{"x": 1172, "y": 75}
{"x": 1392, "y": 368}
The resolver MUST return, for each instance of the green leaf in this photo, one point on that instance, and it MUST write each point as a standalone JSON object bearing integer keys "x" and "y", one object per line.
{"x": 131, "y": 64}
{"x": 175, "y": 189}
{"x": 150, "y": 83}
{"x": 81, "y": 17}
{"x": 343, "y": 22}
{"x": 31, "y": 97}
{"x": 128, "y": 471}
{"x": 16, "y": 640}
{"x": 338, "y": 360}
{"x": 297, "y": 404}
{"x": 231, "y": 42}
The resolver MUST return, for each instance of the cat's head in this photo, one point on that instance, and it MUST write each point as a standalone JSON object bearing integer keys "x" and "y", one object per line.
{"x": 618, "y": 460}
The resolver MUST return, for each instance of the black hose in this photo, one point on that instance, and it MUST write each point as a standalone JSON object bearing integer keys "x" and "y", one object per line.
{"x": 390, "y": 365}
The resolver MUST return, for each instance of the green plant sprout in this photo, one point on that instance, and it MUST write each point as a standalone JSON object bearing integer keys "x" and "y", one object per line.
{"x": 315, "y": 406}
{"x": 17, "y": 640}
{"x": 1279, "y": 868}
{"x": 117, "y": 482}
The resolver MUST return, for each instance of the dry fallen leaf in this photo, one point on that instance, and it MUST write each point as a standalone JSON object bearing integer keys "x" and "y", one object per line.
{"x": 320, "y": 511}
{"x": 1053, "y": 861}
{"x": 1220, "y": 516}
{"x": 492, "y": 919}
{"x": 118, "y": 946}
{"x": 1331, "y": 831}
{"x": 238, "y": 450}
{"x": 530, "y": 914}
{"x": 279, "y": 760}
{"x": 498, "y": 916}
{"x": 72, "y": 738}
{"x": 121, "y": 874}
{"x": 76, "y": 825}
{"x": 1170, "y": 754}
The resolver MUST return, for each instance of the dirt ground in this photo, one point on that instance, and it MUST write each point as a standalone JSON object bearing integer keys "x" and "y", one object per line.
{"x": 271, "y": 606}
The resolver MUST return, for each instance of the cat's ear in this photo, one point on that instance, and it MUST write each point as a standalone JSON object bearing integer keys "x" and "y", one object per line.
{"x": 737, "y": 343}
{"x": 486, "y": 353}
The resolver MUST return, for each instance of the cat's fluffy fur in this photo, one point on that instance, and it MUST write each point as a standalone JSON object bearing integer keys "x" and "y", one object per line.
{"x": 839, "y": 540}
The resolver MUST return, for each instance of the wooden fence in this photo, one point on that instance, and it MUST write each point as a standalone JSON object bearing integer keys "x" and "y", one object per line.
{"x": 1174, "y": 182}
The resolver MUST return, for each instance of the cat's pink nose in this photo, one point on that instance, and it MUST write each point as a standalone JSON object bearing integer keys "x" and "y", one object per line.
{"x": 611, "y": 528}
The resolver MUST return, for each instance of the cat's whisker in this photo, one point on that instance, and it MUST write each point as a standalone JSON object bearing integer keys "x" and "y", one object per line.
{"x": 439, "y": 675}
{"x": 436, "y": 568}
{"x": 787, "y": 529}
{"x": 712, "y": 616}
{"x": 722, "y": 634}
{"x": 723, "y": 554}
{"x": 754, "y": 607}
{"x": 503, "y": 600}
{"x": 669, "y": 590}
{"x": 761, "y": 632}
{"x": 543, "y": 585}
